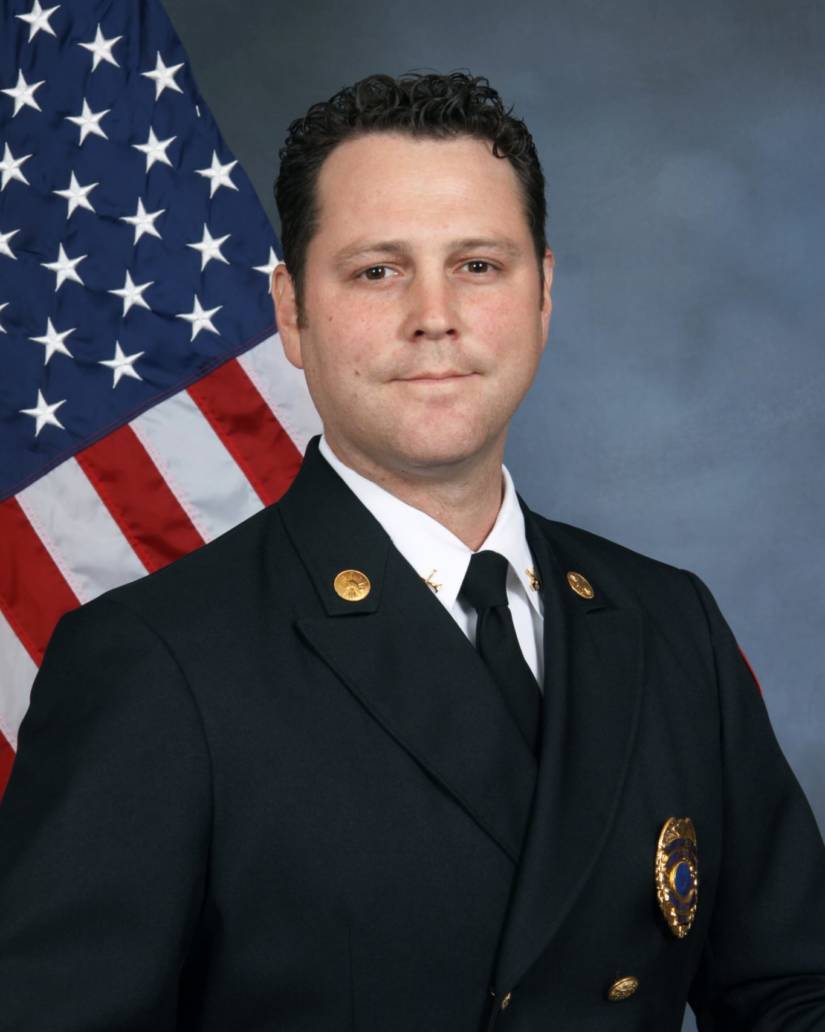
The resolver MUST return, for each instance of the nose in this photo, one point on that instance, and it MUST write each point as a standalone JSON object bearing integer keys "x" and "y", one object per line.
{"x": 431, "y": 312}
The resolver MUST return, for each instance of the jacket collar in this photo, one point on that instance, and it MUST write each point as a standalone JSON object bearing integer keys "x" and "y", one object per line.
{"x": 435, "y": 553}
{"x": 403, "y": 656}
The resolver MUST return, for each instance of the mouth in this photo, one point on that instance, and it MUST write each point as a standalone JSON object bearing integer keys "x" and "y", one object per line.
{"x": 435, "y": 377}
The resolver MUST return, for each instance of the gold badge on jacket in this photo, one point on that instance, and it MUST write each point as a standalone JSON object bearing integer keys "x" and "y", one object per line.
{"x": 677, "y": 874}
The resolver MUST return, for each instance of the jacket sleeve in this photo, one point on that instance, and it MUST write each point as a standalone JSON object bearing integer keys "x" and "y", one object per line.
{"x": 763, "y": 967}
{"x": 104, "y": 833}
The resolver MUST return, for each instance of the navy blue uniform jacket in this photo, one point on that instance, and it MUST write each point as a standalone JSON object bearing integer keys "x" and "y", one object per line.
{"x": 243, "y": 803}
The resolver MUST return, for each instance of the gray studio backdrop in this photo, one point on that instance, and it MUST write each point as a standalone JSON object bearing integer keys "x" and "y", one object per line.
{"x": 679, "y": 409}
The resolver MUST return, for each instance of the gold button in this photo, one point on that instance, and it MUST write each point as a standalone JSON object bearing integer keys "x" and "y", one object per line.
{"x": 352, "y": 585}
{"x": 505, "y": 1001}
{"x": 580, "y": 584}
{"x": 622, "y": 988}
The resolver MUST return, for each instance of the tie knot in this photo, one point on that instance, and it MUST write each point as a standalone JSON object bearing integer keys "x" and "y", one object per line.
{"x": 485, "y": 583}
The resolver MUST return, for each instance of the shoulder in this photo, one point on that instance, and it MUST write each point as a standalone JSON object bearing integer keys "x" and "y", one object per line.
{"x": 665, "y": 592}
{"x": 627, "y": 570}
{"x": 216, "y": 582}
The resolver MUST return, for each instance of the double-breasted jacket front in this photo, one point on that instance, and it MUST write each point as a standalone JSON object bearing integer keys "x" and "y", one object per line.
{"x": 243, "y": 802}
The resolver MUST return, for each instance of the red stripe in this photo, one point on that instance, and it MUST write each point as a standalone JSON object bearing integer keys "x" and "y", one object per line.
{"x": 248, "y": 429}
{"x": 140, "y": 501}
{"x": 33, "y": 592}
{"x": 748, "y": 665}
{"x": 6, "y": 761}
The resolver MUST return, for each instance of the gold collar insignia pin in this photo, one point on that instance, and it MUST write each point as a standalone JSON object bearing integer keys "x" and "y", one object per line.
{"x": 352, "y": 585}
{"x": 430, "y": 582}
{"x": 580, "y": 584}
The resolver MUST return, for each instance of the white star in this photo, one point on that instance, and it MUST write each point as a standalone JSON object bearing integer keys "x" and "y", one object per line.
{"x": 44, "y": 413}
{"x": 154, "y": 149}
{"x": 269, "y": 268}
{"x": 38, "y": 19}
{"x": 122, "y": 365}
{"x": 54, "y": 341}
{"x": 65, "y": 268}
{"x": 164, "y": 76}
{"x": 23, "y": 93}
{"x": 4, "y": 305}
{"x": 101, "y": 48}
{"x": 76, "y": 195}
{"x": 143, "y": 221}
{"x": 218, "y": 174}
{"x": 4, "y": 243}
{"x": 210, "y": 247}
{"x": 132, "y": 293}
{"x": 89, "y": 122}
{"x": 200, "y": 318}
{"x": 10, "y": 167}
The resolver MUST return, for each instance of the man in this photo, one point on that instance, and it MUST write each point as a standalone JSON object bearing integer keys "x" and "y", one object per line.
{"x": 397, "y": 753}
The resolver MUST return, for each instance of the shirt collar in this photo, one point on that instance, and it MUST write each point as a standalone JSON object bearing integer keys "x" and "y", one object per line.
{"x": 435, "y": 553}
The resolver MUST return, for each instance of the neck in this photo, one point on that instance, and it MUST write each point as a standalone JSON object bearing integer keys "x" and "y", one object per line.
{"x": 464, "y": 497}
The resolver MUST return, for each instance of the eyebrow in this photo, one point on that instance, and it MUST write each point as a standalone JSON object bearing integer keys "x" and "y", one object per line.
{"x": 361, "y": 248}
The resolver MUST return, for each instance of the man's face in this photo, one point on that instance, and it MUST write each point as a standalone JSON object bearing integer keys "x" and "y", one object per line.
{"x": 424, "y": 315}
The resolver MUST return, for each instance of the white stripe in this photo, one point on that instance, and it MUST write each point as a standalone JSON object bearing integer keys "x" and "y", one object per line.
{"x": 202, "y": 474}
{"x": 15, "y": 682}
{"x": 78, "y": 532}
{"x": 284, "y": 389}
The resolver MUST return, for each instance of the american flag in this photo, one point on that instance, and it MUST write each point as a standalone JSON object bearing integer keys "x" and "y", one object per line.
{"x": 145, "y": 404}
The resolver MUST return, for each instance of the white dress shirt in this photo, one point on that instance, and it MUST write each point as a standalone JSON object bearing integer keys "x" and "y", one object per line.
{"x": 441, "y": 559}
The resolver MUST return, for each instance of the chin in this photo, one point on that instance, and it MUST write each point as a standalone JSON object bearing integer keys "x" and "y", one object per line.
{"x": 433, "y": 449}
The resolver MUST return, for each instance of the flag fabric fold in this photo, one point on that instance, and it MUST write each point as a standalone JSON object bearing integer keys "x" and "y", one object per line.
{"x": 145, "y": 402}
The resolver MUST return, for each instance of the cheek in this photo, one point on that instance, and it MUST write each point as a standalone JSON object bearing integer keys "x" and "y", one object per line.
{"x": 508, "y": 329}
{"x": 343, "y": 357}
{"x": 511, "y": 348}
{"x": 358, "y": 343}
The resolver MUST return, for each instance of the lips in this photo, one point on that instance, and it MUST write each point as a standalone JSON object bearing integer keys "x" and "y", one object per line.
{"x": 448, "y": 374}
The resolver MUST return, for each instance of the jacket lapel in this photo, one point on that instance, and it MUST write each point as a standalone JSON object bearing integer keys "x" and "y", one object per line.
{"x": 592, "y": 691}
{"x": 403, "y": 657}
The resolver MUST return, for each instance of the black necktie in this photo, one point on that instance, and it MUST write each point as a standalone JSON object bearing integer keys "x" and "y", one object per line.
{"x": 485, "y": 588}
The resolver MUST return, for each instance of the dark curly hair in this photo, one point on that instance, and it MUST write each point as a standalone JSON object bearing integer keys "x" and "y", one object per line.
{"x": 431, "y": 105}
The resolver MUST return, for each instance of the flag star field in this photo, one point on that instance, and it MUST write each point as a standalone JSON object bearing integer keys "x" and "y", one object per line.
{"x": 123, "y": 219}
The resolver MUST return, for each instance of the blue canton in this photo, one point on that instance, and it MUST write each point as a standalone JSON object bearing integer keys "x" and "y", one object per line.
{"x": 134, "y": 253}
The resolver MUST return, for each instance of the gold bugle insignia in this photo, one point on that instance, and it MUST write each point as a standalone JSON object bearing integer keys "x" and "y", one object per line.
{"x": 429, "y": 580}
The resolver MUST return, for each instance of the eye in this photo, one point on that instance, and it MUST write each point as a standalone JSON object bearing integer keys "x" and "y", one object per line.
{"x": 478, "y": 266}
{"x": 375, "y": 273}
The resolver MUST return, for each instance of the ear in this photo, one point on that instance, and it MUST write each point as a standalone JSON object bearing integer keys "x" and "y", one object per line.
{"x": 286, "y": 314}
{"x": 548, "y": 264}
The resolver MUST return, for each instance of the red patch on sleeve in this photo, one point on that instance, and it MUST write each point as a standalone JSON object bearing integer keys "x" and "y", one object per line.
{"x": 6, "y": 761}
{"x": 753, "y": 675}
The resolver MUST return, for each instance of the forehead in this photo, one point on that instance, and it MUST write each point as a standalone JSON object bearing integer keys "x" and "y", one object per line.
{"x": 417, "y": 185}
